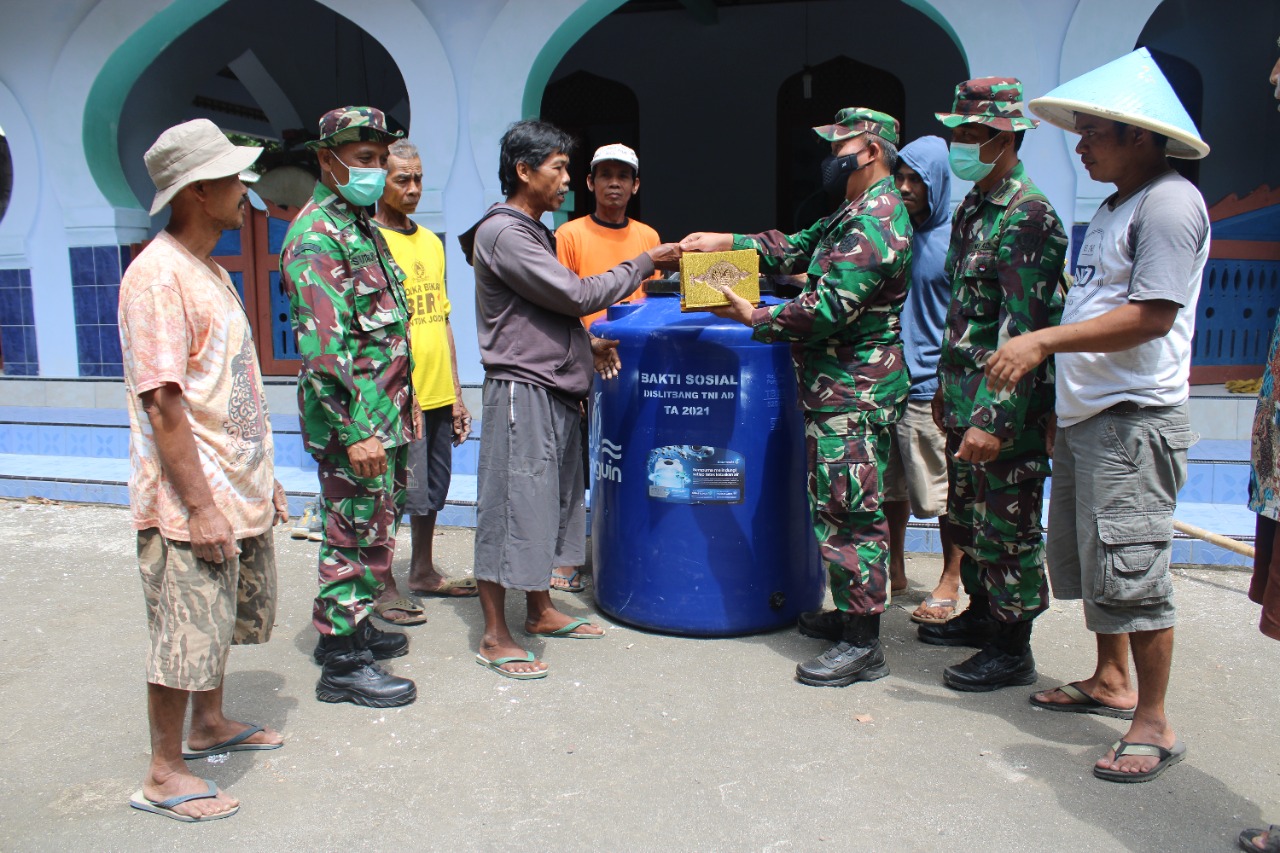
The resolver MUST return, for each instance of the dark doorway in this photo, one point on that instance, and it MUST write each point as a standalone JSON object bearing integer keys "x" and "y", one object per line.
{"x": 596, "y": 111}
{"x": 6, "y": 174}
{"x": 804, "y": 104}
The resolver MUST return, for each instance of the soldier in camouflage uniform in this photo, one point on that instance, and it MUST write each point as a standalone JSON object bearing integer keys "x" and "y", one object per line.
{"x": 1005, "y": 263}
{"x": 846, "y": 346}
{"x": 355, "y": 398}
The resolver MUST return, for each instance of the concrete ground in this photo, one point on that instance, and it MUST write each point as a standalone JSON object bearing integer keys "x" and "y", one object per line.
{"x": 638, "y": 742}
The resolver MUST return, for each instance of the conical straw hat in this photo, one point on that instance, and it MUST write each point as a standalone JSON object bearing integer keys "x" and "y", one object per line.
{"x": 1132, "y": 90}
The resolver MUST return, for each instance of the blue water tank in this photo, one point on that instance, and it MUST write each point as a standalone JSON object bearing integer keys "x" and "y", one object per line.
{"x": 699, "y": 515}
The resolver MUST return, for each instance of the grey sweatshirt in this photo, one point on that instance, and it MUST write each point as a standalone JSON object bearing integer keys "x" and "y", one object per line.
{"x": 529, "y": 307}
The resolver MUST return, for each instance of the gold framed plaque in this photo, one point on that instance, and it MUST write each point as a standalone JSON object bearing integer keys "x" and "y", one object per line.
{"x": 701, "y": 271}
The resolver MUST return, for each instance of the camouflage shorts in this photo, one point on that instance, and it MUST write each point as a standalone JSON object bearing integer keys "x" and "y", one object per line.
{"x": 197, "y": 610}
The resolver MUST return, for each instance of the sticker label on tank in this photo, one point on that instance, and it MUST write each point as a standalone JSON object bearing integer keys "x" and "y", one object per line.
{"x": 696, "y": 474}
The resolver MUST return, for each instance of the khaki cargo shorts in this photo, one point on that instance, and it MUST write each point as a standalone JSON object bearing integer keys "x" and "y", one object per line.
{"x": 196, "y": 610}
{"x": 1116, "y": 478}
{"x": 917, "y": 469}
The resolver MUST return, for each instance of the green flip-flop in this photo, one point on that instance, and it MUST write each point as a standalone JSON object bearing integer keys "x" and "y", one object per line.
{"x": 569, "y": 632}
{"x": 496, "y": 666}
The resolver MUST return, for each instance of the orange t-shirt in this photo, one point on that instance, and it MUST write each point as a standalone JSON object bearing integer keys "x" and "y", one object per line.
{"x": 590, "y": 247}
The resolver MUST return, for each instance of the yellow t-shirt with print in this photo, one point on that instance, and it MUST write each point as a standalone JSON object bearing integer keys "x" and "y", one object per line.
{"x": 421, "y": 255}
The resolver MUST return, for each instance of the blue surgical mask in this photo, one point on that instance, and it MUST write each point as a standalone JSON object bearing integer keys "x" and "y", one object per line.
{"x": 363, "y": 186}
{"x": 965, "y": 163}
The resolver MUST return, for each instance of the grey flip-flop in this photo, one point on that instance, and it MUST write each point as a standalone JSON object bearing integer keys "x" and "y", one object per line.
{"x": 165, "y": 807}
{"x": 233, "y": 744}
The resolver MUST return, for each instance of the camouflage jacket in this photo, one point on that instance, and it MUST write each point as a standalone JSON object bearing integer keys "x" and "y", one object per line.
{"x": 350, "y": 317}
{"x": 844, "y": 326}
{"x": 1004, "y": 262}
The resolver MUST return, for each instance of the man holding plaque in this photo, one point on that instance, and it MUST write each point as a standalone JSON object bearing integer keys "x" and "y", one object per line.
{"x": 846, "y": 345}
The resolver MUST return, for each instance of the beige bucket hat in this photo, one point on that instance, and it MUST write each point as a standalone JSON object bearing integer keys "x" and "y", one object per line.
{"x": 194, "y": 151}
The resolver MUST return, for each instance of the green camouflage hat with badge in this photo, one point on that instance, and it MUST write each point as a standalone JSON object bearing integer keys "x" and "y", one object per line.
{"x": 855, "y": 121}
{"x": 353, "y": 124}
{"x": 993, "y": 101}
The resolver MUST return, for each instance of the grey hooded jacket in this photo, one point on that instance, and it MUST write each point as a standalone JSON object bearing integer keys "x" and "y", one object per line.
{"x": 529, "y": 307}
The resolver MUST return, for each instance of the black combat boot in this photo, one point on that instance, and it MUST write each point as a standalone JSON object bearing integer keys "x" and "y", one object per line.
{"x": 350, "y": 675}
{"x": 1004, "y": 662}
{"x": 974, "y": 627}
{"x": 823, "y": 624}
{"x": 857, "y": 657}
{"x": 381, "y": 644}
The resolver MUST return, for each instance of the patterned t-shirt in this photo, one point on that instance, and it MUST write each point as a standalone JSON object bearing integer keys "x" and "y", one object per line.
{"x": 1264, "y": 479}
{"x": 182, "y": 324}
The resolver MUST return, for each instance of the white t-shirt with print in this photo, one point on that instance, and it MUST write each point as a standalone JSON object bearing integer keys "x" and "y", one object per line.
{"x": 1151, "y": 245}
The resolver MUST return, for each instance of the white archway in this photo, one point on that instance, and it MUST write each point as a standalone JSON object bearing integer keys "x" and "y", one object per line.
{"x": 94, "y": 214}
{"x": 512, "y": 48}
{"x": 1099, "y": 31}
{"x": 404, "y": 31}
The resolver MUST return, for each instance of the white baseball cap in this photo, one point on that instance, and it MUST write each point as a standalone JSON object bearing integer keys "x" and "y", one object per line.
{"x": 616, "y": 151}
{"x": 194, "y": 151}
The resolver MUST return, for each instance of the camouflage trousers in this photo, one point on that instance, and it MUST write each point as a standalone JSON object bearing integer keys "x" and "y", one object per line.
{"x": 197, "y": 610}
{"x": 847, "y": 461}
{"x": 361, "y": 515}
{"x": 993, "y": 512}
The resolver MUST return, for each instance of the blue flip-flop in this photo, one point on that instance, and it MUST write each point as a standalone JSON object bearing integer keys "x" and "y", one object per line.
{"x": 234, "y": 744}
{"x": 496, "y": 666}
{"x": 165, "y": 807}
{"x": 569, "y": 631}
{"x": 572, "y": 583}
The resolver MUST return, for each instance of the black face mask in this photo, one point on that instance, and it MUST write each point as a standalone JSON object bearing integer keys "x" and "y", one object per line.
{"x": 836, "y": 171}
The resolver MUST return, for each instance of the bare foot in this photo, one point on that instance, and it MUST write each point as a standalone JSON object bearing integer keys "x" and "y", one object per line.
{"x": 182, "y": 784}
{"x": 225, "y": 730}
{"x": 898, "y": 582}
{"x": 1160, "y": 735}
{"x": 552, "y": 620}
{"x": 494, "y": 651}
{"x": 1126, "y": 698}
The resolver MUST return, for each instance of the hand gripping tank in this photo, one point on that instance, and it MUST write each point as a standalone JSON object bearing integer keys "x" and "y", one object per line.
{"x": 699, "y": 515}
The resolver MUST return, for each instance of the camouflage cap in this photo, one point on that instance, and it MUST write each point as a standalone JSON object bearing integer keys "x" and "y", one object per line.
{"x": 353, "y": 124}
{"x": 855, "y": 121}
{"x": 993, "y": 101}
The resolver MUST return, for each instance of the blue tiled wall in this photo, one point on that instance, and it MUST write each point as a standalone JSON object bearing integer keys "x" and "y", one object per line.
{"x": 17, "y": 324}
{"x": 95, "y": 289}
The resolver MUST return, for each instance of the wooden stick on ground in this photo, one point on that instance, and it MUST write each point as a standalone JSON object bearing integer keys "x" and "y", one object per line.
{"x": 1218, "y": 539}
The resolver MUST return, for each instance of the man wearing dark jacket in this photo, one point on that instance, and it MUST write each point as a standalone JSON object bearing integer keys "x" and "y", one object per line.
{"x": 537, "y": 362}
